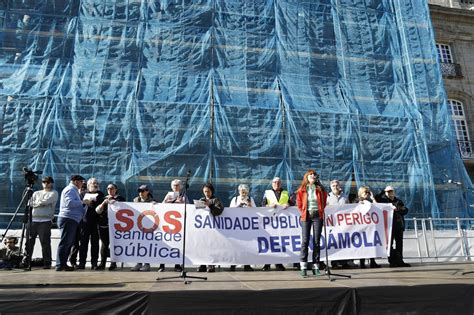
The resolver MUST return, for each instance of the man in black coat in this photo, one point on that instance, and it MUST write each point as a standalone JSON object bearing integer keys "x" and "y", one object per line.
{"x": 398, "y": 226}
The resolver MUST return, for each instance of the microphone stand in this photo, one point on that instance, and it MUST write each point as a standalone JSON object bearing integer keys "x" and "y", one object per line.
{"x": 183, "y": 275}
{"x": 328, "y": 269}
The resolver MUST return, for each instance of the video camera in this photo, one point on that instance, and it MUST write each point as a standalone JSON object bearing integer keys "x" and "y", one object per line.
{"x": 30, "y": 176}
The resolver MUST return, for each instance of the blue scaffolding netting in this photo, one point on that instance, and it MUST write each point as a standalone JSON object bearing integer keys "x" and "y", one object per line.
{"x": 237, "y": 91}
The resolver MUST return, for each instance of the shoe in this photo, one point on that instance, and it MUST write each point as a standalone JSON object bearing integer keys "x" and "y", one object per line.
{"x": 47, "y": 267}
{"x": 81, "y": 266}
{"x": 362, "y": 264}
{"x": 211, "y": 268}
{"x": 266, "y": 268}
{"x": 296, "y": 266}
{"x": 404, "y": 264}
{"x": 321, "y": 266}
{"x": 316, "y": 272}
{"x": 146, "y": 267}
{"x": 232, "y": 268}
{"x": 350, "y": 264}
{"x": 201, "y": 268}
{"x": 373, "y": 264}
{"x": 304, "y": 273}
{"x": 280, "y": 267}
{"x": 394, "y": 265}
{"x": 100, "y": 267}
{"x": 94, "y": 267}
{"x": 113, "y": 266}
{"x": 178, "y": 268}
{"x": 161, "y": 268}
{"x": 64, "y": 268}
{"x": 137, "y": 267}
{"x": 248, "y": 268}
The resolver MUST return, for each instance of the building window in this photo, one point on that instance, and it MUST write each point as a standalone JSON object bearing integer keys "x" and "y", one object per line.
{"x": 460, "y": 127}
{"x": 444, "y": 53}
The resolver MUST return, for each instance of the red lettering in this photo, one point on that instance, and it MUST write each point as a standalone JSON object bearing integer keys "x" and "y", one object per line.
{"x": 329, "y": 220}
{"x": 348, "y": 218}
{"x": 171, "y": 218}
{"x": 123, "y": 215}
{"x": 356, "y": 218}
{"x": 141, "y": 217}
{"x": 340, "y": 218}
{"x": 375, "y": 217}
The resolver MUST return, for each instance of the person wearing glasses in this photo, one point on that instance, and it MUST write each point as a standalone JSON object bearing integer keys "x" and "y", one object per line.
{"x": 273, "y": 198}
{"x": 398, "y": 226}
{"x": 243, "y": 200}
{"x": 144, "y": 195}
{"x": 43, "y": 204}
{"x": 102, "y": 210}
{"x": 176, "y": 195}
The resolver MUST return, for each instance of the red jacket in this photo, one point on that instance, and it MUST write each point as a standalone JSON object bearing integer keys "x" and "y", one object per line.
{"x": 302, "y": 202}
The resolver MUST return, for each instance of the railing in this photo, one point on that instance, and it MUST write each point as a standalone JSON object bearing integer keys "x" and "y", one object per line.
{"x": 428, "y": 238}
{"x": 466, "y": 149}
{"x": 451, "y": 70}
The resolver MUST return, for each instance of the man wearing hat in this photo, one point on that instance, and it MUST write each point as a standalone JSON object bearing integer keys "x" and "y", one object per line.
{"x": 71, "y": 212}
{"x": 43, "y": 203}
{"x": 398, "y": 226}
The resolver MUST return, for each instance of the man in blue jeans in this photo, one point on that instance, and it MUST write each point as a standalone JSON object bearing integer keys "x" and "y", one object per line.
{"x": 71, "y": 212}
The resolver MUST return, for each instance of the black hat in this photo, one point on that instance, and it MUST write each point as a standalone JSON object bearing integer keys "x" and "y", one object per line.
{"x": 48, "y": 179}
{"x": 77, "y": 177}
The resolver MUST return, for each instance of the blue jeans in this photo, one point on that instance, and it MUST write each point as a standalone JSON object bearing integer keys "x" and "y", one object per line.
{"x": 317, "y": 225}
{"x": 68, "y": 228}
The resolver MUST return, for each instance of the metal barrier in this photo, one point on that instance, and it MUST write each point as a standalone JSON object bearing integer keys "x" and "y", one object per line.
{"x": 427, "y": 235}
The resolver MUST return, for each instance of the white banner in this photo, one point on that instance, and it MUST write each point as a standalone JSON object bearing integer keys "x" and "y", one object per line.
{"x": 145, "y": 232}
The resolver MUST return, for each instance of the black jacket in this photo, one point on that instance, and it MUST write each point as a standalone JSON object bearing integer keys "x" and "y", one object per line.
{"x": 215, "y": 205}
{"x": 398, "y": 214}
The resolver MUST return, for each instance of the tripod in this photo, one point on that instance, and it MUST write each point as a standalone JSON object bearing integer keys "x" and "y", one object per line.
{"x": 184, "y": 275}
{"x": 26, "y": 224}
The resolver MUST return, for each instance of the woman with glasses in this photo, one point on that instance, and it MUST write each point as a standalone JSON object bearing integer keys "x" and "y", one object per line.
{"x": 144, "y": 195}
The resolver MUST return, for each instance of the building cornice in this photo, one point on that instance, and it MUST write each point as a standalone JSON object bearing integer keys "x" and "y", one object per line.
{"x": 461, "y": 15}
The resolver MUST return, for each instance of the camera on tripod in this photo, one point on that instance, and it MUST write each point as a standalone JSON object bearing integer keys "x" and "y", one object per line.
{"x": 30, "y": 176}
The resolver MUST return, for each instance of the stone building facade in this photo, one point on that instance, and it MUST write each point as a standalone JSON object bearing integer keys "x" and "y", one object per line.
{"x": 453, "y": 22}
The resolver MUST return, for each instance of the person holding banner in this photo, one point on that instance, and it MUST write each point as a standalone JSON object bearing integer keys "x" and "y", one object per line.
{"x": 216, "y": 208}
{"x": 90, "y": 226}
{"x": 176, "y": 195}
{"x": 311, "y": 201}
{"x": 144, "y": 195}
{"x": 398, "y": 226}
{"x": 102, "y": 211}
{"x": 243, "y": 200}
{"x": 338, "y": 197}
{"x": 276, "y": 198}
{"x": 365, "y": 195}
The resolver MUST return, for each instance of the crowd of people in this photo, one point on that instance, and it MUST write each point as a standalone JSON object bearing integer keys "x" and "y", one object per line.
{"x": 83, "y": 220}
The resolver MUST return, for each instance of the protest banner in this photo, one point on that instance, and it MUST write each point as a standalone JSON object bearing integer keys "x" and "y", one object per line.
{"x": 145, "y": 232}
